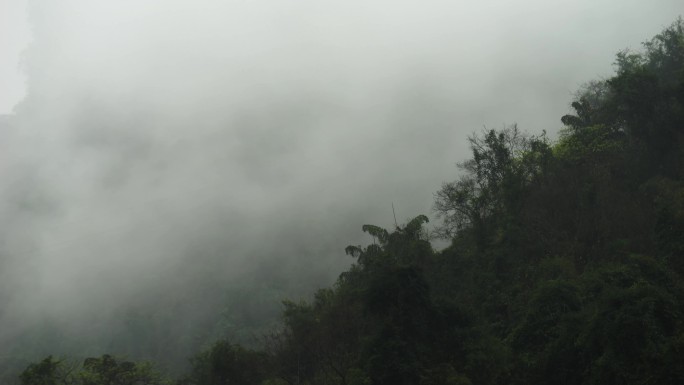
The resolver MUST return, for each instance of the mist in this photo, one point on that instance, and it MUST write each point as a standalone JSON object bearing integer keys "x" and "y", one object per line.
{"x": 170, "y": 153}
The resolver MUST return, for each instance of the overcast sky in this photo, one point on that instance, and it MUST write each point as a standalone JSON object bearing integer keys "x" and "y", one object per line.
{"x": 153, "y": 135}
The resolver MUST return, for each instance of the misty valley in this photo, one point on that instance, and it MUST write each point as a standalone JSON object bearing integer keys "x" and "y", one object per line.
{"x": 146, "y": 244}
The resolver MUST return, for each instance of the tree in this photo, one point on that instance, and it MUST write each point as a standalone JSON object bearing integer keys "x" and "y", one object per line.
{"x": 104, "y": 370}
{"x": 227, "y": 364}
{"x": 647, "y": 100}
{"x": 45, "y": 372}
{"x": 503, "y": 163}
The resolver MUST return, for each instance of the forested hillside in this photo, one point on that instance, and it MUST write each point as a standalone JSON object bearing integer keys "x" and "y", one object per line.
{"x": 565, "y": 264}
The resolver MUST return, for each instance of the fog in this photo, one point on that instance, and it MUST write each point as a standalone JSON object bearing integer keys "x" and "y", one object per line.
{"x": 168, "y": 152}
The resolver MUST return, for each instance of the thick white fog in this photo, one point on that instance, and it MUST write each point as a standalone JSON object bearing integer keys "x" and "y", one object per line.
{"x": 168, "y": 145}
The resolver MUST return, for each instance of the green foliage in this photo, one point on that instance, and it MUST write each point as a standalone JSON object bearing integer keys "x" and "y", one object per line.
{"x": 490, "y": 192}
{"x": 588, "y": 143}
{"x": 46, "y": 372}
{"x": 225, "y": 363}
{"x": 105, "y": 370}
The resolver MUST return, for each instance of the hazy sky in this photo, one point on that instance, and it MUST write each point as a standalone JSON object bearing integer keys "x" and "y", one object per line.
{"x": 14, "y": 38}
{"x": 253, "y": 136}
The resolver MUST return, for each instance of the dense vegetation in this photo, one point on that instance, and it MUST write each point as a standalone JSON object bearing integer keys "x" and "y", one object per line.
{"x": 564, "y": 267}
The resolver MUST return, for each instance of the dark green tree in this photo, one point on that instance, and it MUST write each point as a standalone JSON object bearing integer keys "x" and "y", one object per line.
{"x": 227, "y": 364}
{"x": 491, "y": 189}
{"x": 104, "y": 370}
